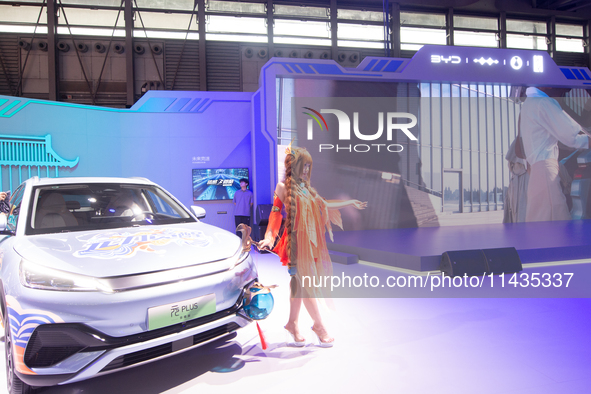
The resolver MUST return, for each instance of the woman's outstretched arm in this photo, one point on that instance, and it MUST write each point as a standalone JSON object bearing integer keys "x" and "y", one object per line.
{"x": 340, "y": 204}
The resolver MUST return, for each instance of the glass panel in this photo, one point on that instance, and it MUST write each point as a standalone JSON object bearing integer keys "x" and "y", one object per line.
{"x": 89, "y": 31}
{"x": 447, "y": 158}
{"x": 360, "y": 32}
{"x": 471, "y": 22}
{"x": 490, "y": 124}
{"x": 569, "y": 30}
{"x": 445, "y": 118}
{"x": 456, "y": 126}
{"x": 162, "y": 4}
{"x": 465, "y": 119}
{"x": 157, "y": 20}
{"x": 491, "y": 181}
{"x": 451, "y": 191}
{"x": 526, "y": 42}
{"x": 569, "y": 45}
{"x": 437, "y": 169}
{"x": 415, "y": 18}
{"x": 425, "y": 110}
{"x": 526, "y": 26}
{"x": 23, "y": 14}
{"x": 426, "y": 166}
{"x": 415, "y": 35}
{"x": 475, "y": 182}
{"x": 410, "y": 47}
{"x": 360, "y": 44}
{"x": 436, "y": 114}
{"x": 233, "y": 37}
{"x": 360, "y": 15}
{"x": 234, "y": 7}
{"x": 22, "y": 29}
{"x": 85, "y": 17}
{"x": 499, "y": 164}
{"x": 469, "y": 38}
{"x": 483, "y": 182}
{"x": 301, "y": 41}
{"x": 301, "y": 28}
{"x": 111, "y": 3}
{"x": 294, "y": 10}
{"x": 466, "y": 180}
{"x": 232, "y": 24}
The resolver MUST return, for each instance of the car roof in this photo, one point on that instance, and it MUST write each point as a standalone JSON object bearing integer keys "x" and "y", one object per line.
{"x": 36, "y": 181}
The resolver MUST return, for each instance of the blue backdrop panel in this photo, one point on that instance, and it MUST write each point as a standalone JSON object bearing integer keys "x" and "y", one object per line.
{"x": 159, "y": 138}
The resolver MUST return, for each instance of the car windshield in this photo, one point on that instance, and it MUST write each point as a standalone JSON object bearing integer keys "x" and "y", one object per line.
{"x": 79, "y": 207}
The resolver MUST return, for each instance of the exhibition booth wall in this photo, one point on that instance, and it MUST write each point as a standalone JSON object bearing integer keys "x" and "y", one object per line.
{"x": 162, "y": 137}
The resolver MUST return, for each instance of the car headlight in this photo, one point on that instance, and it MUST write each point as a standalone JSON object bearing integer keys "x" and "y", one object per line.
{"x": 39, "y": 277}
{"x": 241, "y": 256}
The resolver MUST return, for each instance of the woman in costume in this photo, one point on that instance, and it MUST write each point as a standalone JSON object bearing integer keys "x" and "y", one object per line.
{"x": 302, "y": 246}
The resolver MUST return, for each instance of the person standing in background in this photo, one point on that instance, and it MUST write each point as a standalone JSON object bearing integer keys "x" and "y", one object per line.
{"x": 243, "y": 200}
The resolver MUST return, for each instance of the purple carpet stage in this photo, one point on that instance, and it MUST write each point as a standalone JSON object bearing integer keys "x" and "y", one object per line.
{"x": 420, "y": 249}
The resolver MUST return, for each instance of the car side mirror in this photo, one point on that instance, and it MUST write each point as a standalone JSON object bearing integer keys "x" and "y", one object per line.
{"x": 199, "y": 212}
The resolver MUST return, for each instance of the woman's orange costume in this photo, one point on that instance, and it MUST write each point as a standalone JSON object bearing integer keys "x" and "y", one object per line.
{"x": 312, "y": 219}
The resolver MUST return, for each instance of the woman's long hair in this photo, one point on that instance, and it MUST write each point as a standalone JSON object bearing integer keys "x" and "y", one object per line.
{"x": 295, "y": 160}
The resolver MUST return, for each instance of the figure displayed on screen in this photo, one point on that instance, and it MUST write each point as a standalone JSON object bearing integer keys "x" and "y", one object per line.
{"x": 516, "y": 198}
{"x": 302, "y": 246}
{"x": 543, "y": 125}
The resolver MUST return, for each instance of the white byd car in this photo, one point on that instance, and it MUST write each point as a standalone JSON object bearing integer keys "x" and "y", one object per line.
{"x": 101, "y": 274}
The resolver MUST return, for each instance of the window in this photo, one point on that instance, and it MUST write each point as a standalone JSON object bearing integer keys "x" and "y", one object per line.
{"x": 15, "y": 207}
{"x": 524, "y": 34}
{"x": 358, "y": 15}
{"x": 294, "y": 10}
{"x": 569, "y": 38}
{"x": 235, "y": 8}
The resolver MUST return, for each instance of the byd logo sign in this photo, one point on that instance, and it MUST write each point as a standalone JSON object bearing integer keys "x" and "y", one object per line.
{"x": 344, "y": 131}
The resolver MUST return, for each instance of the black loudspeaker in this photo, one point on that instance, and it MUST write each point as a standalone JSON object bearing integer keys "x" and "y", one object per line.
{"x": 460, "y": 262}
{"x": 262, "y": 214}
{"x": 502, "y": 260}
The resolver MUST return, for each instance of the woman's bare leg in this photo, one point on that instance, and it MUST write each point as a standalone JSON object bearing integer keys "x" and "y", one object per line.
{"x": 295, "y": 305}
{"x": 318, "y": 327}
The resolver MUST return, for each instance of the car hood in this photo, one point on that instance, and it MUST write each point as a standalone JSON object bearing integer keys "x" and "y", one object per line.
{"x": 127, "y": 251}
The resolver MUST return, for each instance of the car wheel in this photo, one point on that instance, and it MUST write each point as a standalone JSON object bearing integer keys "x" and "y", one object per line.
{"x": 14, "y": 384}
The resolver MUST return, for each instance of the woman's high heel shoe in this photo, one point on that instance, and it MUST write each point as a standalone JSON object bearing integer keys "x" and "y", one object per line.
{"x": 291, "y": 341}
{"x": 322, "y": 343}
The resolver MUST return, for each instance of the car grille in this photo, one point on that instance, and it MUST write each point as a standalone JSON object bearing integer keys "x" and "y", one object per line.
{"x": 162, "y": 350}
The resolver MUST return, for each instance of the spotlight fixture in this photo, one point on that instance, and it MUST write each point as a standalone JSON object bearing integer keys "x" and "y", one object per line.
{"x": 22, "y": 44}
{"x": 100, "y": 48}
{"x": 63, "y": 46}
{"x": 81, "y": 47}
{"x": 139, "y": 49}
{"x": 157, "y": 49}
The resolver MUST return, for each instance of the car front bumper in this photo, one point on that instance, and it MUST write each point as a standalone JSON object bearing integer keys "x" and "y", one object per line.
{"x": 105, "y": 354}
